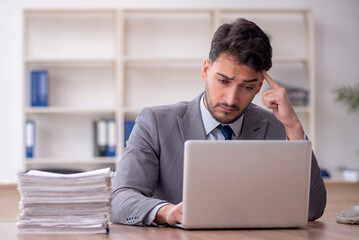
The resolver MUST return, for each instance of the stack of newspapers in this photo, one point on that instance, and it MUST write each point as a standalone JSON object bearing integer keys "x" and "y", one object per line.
{"x": 65, "y": 203}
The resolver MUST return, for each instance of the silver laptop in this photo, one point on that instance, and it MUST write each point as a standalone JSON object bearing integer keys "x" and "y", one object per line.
{"x": 246, "y": 184}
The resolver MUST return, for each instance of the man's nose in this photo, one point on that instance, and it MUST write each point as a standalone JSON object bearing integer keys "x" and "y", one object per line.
{"x": 231, "y": 97}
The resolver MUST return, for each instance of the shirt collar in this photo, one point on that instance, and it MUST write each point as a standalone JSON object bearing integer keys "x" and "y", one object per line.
{"x": 210, "y": 123}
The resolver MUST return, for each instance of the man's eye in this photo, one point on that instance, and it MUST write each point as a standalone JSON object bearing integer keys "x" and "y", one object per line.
{"x": 222, "y": 81}
{"x": 248, "y": 87}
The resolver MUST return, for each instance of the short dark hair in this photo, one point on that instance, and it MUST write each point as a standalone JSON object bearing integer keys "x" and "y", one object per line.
{"x": 245, "y": 41}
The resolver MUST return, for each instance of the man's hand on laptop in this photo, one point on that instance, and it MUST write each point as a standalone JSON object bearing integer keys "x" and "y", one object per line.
{"x": 169, "y": 214}
{"x": 277, "y": 99}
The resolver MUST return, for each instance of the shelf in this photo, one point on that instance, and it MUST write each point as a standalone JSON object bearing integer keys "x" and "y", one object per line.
{"x": 209, "y": 10}
{"x": 131, "y": 112}
{"x": 44, "y": 11}
{"x": 68, "y": 110}
{"x": 132, "y": 109}
{"x": 70, "y": 60}
{"x": 196, "y": 60}
{"x": 290, "y": 59}
{"x": 268, "y": 11}
{"x": 67, "y": 161}
{"x": 164, "y": 59}
{"x": 183, "y": 10}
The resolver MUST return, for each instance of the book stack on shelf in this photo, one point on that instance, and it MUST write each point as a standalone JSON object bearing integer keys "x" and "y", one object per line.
{"x": 65, "y": 203}
{"x": 105, "y": 132}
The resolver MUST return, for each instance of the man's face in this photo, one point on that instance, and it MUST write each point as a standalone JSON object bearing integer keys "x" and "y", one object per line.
{"x": 230, "y": 87}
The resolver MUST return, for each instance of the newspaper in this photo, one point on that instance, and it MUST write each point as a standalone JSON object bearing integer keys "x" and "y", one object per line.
{"x": 65, "y": 203}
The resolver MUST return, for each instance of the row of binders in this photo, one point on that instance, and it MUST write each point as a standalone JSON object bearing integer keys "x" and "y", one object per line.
{"x": 104, "y": 137}
{"x": 39, "y": 88}
{"x": 65, "y": 203}
{"x": 298, "y": 96}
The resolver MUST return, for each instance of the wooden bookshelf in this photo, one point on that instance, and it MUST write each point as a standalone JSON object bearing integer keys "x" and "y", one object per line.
{"x": 113, "y": 62}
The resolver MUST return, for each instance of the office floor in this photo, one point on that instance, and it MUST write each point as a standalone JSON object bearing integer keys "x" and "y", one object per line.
{"x": 340, "y": 196}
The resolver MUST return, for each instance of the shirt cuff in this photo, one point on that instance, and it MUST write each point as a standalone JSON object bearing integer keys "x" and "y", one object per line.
{"x": 149, "y": 219}
{"x": 304, "y": 137}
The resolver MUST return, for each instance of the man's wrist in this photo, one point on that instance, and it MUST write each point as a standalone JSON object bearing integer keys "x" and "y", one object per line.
{"x": 150, "y": 218}
{"x": 161, "y": 215}
{"x": 295, "y": 131}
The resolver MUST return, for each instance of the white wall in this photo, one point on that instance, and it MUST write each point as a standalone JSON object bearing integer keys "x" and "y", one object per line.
{"x": 10, "y": 90}
{"x": 337, "y": 62}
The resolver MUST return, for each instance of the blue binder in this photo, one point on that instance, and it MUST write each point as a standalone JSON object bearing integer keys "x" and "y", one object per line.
{"x": 129, "y": 124}
{"x": 39, "y": 88}
{"x": 29, "y": 138}
{"x": 34, "y": 89}
{"x": 43, "y": 88}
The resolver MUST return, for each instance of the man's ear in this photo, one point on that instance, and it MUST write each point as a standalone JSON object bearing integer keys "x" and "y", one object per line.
{"x": 205, "y": 69}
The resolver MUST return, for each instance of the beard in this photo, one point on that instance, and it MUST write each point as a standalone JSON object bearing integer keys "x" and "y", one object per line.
{"x": 227, "y": 118}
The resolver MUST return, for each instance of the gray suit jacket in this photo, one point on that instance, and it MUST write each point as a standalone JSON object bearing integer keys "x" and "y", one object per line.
{"x": 151, "y": 170}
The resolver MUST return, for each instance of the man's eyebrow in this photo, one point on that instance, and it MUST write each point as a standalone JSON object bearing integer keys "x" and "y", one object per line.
{"x": 251, "y": 80}
{"x": 228, "y": 78}
{"x": 232, "y": 78}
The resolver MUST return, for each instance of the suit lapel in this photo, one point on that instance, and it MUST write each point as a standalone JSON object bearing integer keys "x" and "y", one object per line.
{"x": 253, "y": 127}
{"x": 191, "y": 125}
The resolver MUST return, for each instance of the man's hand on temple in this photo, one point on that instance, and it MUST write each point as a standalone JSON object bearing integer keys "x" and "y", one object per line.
{"x": 277, "y": 99}
{"x": 169, "y": 214}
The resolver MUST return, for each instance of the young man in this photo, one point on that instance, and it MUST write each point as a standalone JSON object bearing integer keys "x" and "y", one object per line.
{"x": 148, "y": 183}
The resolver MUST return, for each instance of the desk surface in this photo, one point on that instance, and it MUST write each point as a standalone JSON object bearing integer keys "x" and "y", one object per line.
{"x": 315, "y": 230}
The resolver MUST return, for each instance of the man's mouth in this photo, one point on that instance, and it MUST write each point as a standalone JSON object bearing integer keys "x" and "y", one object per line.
{"x": 227, "y": 109}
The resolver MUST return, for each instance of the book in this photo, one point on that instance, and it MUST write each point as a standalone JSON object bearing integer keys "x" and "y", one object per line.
{"x": 39, "y": 88}
{"x": 34, "y": 89}
{"x": 43, "y": 88}
{"x": 29, "y": 138}
{"x": 129, "y": 124}
{"x": 65, "y": 203}
{"x": 100, "y": 137}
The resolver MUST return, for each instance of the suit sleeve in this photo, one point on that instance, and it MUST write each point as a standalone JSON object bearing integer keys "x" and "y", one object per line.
{"x": 318, "y": 194}
{"x": 137, "y": 173}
